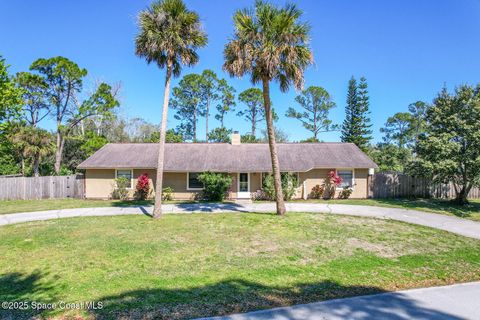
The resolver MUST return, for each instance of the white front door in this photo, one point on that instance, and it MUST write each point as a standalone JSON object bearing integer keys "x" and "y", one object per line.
{"x": 243, "y": 185}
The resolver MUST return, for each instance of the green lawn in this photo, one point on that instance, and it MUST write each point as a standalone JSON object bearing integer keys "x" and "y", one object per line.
{"x": 13, "y": 206}
{"x": 184, "y": 266}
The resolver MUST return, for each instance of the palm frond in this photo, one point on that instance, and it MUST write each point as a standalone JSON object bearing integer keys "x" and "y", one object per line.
{"x": 169, "y": 33}
{"x": 269, "y": 43}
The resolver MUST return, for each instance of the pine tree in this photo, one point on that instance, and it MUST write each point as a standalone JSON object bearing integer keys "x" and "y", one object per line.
{"x": 363, "y": 125}
{"x": 356, "y": 127}
{"x": 352, "y": 102}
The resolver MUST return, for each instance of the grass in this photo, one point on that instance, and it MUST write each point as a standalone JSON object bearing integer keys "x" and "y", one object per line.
{"x": 184, "y": 266}
{"x": 13, "y": 206}
{"x": 470, "y": 211}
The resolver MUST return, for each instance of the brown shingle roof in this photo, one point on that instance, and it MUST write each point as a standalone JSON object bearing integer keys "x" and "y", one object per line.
{"x": 224, "y": 157}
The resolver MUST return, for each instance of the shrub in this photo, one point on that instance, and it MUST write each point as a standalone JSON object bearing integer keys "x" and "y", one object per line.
{"x": 345, "y": 193}
{"x": 120, "y": 191}
{"x": 330, "y": 184}
{"x": 215, "y": 185}
{"x": 142, "y": 190}
{"x": 167, "y": 194}
{"x": 317, "y": 192}
{"x": 289, "y": 185}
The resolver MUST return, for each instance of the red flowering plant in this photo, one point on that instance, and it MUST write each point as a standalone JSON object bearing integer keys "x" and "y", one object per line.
{"x": 142, "y": 190}
{"x": 330, "y": 184}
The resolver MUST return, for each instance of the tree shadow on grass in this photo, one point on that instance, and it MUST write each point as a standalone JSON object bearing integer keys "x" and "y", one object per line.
{"x": 216, "y": 299}
{"x": 132, "y": 203}
{"x": 19, "y": 287}
{"x": 238, "y": 295}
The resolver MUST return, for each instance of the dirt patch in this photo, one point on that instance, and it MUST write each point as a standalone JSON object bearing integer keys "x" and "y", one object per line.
{"x": 379, "y": 249}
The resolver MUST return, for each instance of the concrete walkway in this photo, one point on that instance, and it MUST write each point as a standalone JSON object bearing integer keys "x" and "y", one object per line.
{"x": 452, "y": 224}
{"x": 459, "y": 301}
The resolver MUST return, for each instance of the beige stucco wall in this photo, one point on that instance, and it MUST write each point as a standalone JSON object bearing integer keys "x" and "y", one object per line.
{"x": 313, "y": 177}
{"x": 99, "y": 183}
{"x": 175, "y": 180}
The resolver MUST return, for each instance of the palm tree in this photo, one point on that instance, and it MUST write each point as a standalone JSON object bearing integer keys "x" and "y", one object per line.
{"x": 270, "y": 43}
{"x": 32, "y": 143}
{"x": 169, "y": 36}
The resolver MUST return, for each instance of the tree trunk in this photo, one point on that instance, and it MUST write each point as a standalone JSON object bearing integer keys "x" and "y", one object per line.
{"x": 23, "y": 166}
{"x": 157, "y": 210}
{"x": 206, "y": 119}
{"x": 59, "y": 152}
{"x": 36, "y": 165}
{"x": 462, "y": 196}
{"x": 273, "y": 149}
{"x": 194, "y": 126}
{"x": 253, "y": 128}
{"x": 254, "y": 123}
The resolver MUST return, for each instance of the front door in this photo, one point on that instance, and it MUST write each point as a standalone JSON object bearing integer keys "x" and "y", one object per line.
{"x": 243, "y": 185}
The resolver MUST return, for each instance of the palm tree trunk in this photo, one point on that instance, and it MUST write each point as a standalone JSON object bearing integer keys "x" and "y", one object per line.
{"x": 273, "y": 149}
{"x": 157, "y": 210}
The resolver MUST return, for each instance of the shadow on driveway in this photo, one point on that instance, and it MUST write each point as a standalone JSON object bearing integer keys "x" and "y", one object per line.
{"x": 211, "y": 207}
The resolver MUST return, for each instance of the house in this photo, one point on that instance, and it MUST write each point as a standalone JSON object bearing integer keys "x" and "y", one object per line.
{"x": 245, "y": 162}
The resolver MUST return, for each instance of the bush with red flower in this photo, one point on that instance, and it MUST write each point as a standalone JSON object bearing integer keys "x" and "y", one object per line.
{"x": 142, "y": 190}
{"x": 330, "y": 184}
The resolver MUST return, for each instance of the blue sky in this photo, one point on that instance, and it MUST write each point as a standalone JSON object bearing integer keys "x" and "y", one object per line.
{"x": 407, "y": 49}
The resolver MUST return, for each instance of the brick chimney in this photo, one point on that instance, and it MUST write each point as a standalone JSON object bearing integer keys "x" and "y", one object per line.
{"x": 235, "y": 138}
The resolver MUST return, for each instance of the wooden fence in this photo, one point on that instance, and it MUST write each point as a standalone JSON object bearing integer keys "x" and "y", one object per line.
{"x": 49, "y": 187}
{"x": 397, "y": 185}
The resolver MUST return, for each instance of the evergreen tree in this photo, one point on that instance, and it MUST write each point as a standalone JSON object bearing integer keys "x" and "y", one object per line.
{"x": 220, "y": 134}
{"x": 187, "y": 101}
{"x": 352, "y": 102}
{"x": 363, "y": 125}
{"x": 316, "y": 104}
{"x": 356, "y": 127}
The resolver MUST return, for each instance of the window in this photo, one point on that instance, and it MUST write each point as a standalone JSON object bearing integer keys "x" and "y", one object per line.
{"x": 126, "y": 174}
{"x": 193, "y": 183}
{"x": 347, "y": 178}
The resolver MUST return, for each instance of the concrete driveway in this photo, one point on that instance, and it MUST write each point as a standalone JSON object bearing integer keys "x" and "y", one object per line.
{"x": 459, "y": 301}
{"x": 452, "y": 224}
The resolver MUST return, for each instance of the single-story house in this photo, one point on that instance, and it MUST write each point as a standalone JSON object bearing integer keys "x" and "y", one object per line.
{"x": 245, "y": 162}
